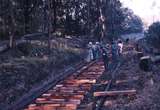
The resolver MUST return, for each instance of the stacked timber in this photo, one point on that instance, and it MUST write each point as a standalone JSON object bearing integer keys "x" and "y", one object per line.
{"x": 145, "y": 63}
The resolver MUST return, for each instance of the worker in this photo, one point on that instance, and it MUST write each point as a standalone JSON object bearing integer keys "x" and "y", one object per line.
{"x": 94, "y": 49}
{"x": 120, "y": 47}
{"x": 127, "y": 40}
{"x": 90, "y": 52}
{"x": 105, "y": 57}
{"x": 114, "y": 51}
{"x": 97, "y": 50}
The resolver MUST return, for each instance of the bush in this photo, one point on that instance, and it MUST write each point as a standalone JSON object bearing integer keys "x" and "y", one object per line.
{"x": 25, "y": 48}
{"x": 153, "y": 34}
{"x": 3, "y": 35}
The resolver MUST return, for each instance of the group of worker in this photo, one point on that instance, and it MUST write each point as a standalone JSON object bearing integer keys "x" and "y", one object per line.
{"x": 99, "y": 50}
{"x": 94, "y": 51}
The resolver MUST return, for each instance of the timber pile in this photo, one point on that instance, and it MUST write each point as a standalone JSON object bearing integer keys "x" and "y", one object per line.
{"x": 147, "y": 61}
{"x": 69, "y": 94}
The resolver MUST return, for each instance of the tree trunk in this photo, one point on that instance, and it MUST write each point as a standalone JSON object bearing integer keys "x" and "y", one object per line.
{"x": 88, "y": 17}
{"x": 67, "y": 23}
{"x": 102, "y": 20}
{"x": 11, "y": 41}
{"x": 55, "y": 15}
{"x": 12, "y": 32}
{"x": 49, "y": 24}
{"x": 26, "y": 16}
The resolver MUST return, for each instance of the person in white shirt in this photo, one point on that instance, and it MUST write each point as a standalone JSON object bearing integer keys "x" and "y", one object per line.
{"x": 120, "y": 45}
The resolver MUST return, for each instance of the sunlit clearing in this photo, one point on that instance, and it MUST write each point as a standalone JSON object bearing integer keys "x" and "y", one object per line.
{"x": 149, "y": 11}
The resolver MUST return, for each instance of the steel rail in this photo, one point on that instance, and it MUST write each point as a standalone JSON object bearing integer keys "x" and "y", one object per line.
{"x": 29, "y": 98}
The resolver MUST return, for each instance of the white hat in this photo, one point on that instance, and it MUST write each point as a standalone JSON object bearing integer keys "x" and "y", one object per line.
{"x": 90, "y": 43}
{"x": 97, "y": 42}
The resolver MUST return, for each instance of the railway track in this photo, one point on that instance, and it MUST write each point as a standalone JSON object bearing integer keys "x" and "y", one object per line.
{"x": 70, "y": 92}
{"x": 100, "y": 101}
{"x": 119, "y": 87}
{"x": 53, "y": 81}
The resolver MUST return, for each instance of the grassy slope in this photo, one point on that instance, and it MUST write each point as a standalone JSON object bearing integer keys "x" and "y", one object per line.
{"x": 18, "y": 74}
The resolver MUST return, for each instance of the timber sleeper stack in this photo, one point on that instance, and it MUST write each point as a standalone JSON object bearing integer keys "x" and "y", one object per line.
{"x": 68, "y": 94}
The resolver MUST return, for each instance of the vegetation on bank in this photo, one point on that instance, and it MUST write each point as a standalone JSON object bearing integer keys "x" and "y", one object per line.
{"x": 153, "y": 34}
{"x": 20, "y": 72}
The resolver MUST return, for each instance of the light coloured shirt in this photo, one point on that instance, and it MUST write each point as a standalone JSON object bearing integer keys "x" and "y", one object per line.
{"x": 121, "y": 47}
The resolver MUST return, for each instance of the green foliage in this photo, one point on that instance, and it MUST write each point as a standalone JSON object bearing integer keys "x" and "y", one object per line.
{"x": 68, "y": 17}
{"x": 25, "y": 48}
{"x": 19, "y": 75}
{"x": 153, "y": 34}
{"x": 132, "y": 23}
{"x": 114, "y": 17}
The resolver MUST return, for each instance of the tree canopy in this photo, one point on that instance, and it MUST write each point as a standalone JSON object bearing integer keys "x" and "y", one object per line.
{"x": 95, "y": 18}
{"x": 153, "y": 34}
{"x": 133, "y": 23}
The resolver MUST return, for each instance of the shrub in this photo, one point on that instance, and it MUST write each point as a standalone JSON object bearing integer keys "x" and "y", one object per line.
{"x": 25, "y": 48}
{"x": 153, "y": 34}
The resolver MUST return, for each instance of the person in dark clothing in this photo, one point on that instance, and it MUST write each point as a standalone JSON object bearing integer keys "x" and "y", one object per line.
{"x": 97, "y": 50}
{"x": 114, "y": 50}
{"x": 115, "y": 57}
{"x": 105, "y": 58}
{"x": 137, "y": 47}
{"x": 127, "y": 40}
{"x": 94, "y": 51}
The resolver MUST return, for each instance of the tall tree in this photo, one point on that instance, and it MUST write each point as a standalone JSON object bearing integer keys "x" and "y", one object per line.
{"x": 153, "y": 34}
{"x": 96, "y": 18}
{"x": 133, "y": 23}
